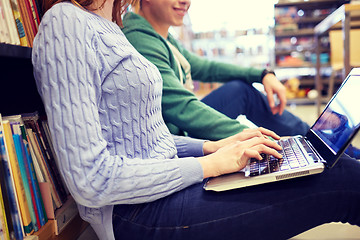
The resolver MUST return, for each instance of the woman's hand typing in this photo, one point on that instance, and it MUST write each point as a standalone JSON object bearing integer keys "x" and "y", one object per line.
{"x": 232, "y": 154}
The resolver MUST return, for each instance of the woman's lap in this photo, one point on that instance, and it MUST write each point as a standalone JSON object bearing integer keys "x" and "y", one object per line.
{"x": 278, "y": 210}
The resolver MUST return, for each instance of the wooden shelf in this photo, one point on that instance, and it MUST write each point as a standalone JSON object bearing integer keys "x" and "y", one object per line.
{"x": 347, "y": 16}
{"x": 71, "y": 232}
{"x": 14, "y": 51}
{"x": 299, "y": 32}
{"x": 334, "y": 19}
{"x": 310, "y": 19}
{"x": 300, "y": 54}
{"x": 309, "y": 3}
{"x": 47, "y": 231}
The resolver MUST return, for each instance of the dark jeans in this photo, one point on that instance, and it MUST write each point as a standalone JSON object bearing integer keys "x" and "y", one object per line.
{"x": 270, "y": 211}
{"x": 237, "y": 97}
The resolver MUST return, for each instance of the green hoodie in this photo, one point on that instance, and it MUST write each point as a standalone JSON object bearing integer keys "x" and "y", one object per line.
{"x": 182, "y": 111}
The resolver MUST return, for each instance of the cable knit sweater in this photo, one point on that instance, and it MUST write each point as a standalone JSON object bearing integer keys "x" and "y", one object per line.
{"x": 103, "y": 103}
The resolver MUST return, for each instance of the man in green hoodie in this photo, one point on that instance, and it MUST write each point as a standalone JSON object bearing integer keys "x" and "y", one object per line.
{"x": 214, "y": 117}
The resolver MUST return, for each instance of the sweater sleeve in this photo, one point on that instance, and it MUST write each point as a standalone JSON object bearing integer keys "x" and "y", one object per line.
{"x": 69, "y": 78}
{"x": 180, "y": 107}
{"x": 188, "y": 147}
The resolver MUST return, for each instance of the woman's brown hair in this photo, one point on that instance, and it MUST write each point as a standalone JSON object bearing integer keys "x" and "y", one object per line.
{"x": 119, "y": 6}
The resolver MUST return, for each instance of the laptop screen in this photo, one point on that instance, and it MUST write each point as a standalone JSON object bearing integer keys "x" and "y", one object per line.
{"x": 341, "y": 118}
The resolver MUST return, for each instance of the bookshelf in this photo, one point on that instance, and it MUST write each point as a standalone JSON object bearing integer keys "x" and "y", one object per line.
{"x": 19, "y": 95}
{"x": 246, "y": 48}
{"x": 295, "y": 43}
{"x": 19, "y": 23}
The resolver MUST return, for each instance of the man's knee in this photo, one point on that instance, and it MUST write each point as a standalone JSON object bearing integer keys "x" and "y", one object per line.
{"x": 238, "y": 87}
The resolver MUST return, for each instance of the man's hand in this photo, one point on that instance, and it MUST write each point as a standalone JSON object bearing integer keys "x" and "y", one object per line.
{"x": 273, "y": 86}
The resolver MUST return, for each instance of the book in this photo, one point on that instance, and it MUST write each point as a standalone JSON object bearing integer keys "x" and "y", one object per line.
{"x": 34, "y": 15}
{"x": 33, "y": 121}
{"x": 38, "y": 7}
{"x": 15, "y": 122}
{"x": 46, "y": 130}
{"x": 19, "y": 23}
{"x": 47, "y": 198}
{"x": 10, "y": 21}
{"x": 30, "y": 16}
{"x": 15, "y": 169}
{"x": 53, "y": 160}
{"x": 4, "y": 30}
{"x": 37, "y": 11}
{"x": 40, "y": 158}
{"x": 35, "y": 218}
{"x": 5, "y": 217}
{"x": 33, "y": 179}
{"x": 26, "y": 21}
{"x": 4, "y": 230}
{"x": 29, "y": 191}
{"x": 15, "y": 225}
{"x": 39, "y": 175}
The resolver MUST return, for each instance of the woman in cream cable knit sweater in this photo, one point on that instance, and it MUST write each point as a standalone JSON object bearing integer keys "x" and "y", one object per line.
{"x": 130, "y": 177}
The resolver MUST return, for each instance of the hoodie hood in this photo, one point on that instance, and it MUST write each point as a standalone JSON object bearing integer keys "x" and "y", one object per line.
{"x": 134, "y": 22}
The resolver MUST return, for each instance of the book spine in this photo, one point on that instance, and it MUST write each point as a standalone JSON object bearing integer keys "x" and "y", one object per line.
{"x": 4, "y": 230}
{"x": 51, "y": 160}
{"x": 45, "y": 171}
{"x": 10, "y": 20}
{"x": 4, "y": 30}
{"x": 19, "y": 187}
{"x": 30, "y": 17}
{"x": 49, "y": 172}
{"x": 32, "y": 179}
{"x": 34, "y": 15}
{"x": 36, "y": 9}
{"x": 39, "y": 176}
{"x": 19, "y": 23}
{"x": 33, "y": 121}
{"x": 17, "y": 143}
{"x": 26, "y": 21}
{"x": 47, "y": 134}
{"x": 29, "y": 192}
{"x": 15, "y": 225}
{"x": 5, "y": 197}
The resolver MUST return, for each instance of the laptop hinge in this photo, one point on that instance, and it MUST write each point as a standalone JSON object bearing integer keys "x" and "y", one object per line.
{"x": 309, "y": 148}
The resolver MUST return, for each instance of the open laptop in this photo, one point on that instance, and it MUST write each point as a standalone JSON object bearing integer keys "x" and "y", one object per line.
{"x": 321, "y": 147}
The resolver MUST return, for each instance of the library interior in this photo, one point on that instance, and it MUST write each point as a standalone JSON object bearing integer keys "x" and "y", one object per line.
{"x": 309, "y": 45}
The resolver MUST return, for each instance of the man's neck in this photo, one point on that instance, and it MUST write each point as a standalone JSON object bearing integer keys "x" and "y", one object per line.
{"x": 161, "y": 29}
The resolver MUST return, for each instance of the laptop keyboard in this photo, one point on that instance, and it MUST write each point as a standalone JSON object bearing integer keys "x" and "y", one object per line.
{"x": 292, "y": 158}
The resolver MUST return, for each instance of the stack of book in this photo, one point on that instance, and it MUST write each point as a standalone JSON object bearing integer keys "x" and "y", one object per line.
{"x": 19, "y": 21}
{"x": 31, "y": 188}
{"x": 286, "y": 19}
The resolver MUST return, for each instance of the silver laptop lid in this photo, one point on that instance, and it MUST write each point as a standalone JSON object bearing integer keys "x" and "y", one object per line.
{"x": 339, "y": 122}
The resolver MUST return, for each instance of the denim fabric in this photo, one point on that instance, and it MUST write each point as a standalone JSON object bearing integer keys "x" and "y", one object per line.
{"x": 270, "y": 211}
{"x": 237, "y": 97}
